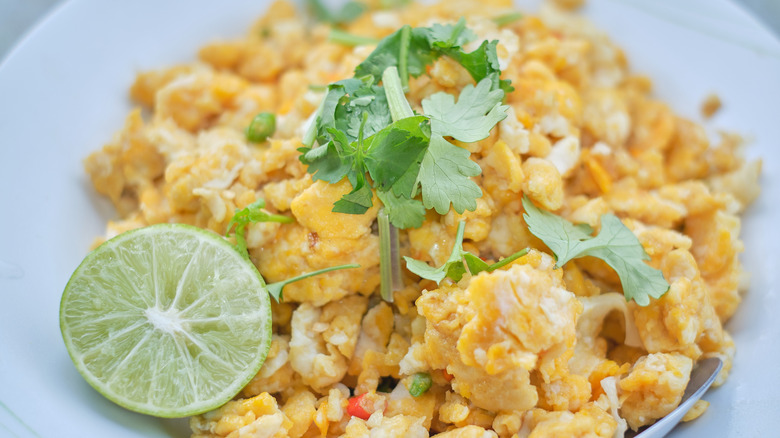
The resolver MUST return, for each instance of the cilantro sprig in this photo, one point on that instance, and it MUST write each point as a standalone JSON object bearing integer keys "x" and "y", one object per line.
{"x": 360, "y": 126}
{"x": 615, "y": 244}
{"x": 250, "y": 214}
{"x": 459, "y": 262}
{"x": 411, "y": 50}
{"x": 366, "y": 131}
{"x": 254, "y": 213}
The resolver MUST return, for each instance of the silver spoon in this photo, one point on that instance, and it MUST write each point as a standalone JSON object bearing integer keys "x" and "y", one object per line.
{"x": 701, "y": 379}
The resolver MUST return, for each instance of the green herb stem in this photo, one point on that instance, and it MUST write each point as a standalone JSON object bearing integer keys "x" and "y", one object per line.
{"x": 278, "y": 218}
{"x": 252, "y": 213}
{"x": 389, "y": 257}
{"x": 505, "y": 261}
{"x": 421, "y": 383}
{"x": 360, "y": 150}
{"x": 459, "y": 235}
{"x": 275, "y": 289}
{"x": 339, "y": 36}
{"x": 396, "y": 100}
{"x": 505, "y": 19}
{"x": 403, "y": 57}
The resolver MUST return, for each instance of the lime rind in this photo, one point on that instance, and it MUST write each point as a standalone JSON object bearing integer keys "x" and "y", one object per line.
{"x": 167, "y": 320}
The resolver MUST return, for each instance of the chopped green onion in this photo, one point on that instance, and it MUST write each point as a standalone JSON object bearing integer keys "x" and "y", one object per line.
{"x": 503, "y": 20}
{"x": 421, "y": 383}
{"x": 262, "y": 127}
{"x": 338, "y": 36}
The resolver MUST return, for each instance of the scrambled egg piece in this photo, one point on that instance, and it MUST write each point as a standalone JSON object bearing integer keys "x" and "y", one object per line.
{"x": 490, "y": 335}
{"x": 653, "y": 387}
{"x": 323, "y": 340}
{"x": 254, "y": 417}
{"x": 399, "y": 426}
{"x": 590, "y": 421}
{"x": 276, "y": 374}
{"x": 467, "y": 432}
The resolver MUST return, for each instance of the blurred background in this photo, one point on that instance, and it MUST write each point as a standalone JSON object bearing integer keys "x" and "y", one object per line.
{"x": 18, "y": 16}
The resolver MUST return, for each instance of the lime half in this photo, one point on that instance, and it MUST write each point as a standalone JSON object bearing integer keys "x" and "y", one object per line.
{"x": 167, "y": 320}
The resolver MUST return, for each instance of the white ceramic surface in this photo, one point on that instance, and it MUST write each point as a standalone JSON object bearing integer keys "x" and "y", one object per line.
{"x": 63, "y": 93}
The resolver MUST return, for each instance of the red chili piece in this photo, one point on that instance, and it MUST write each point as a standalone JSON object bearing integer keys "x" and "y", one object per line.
{"x": 357, "y": 408}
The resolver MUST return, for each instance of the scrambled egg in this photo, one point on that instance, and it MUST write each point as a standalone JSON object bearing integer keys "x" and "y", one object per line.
{"x": 524, "y": 351}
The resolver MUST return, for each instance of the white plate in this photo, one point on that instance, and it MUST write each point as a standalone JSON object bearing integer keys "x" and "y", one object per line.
{"x": 63, "y": 94}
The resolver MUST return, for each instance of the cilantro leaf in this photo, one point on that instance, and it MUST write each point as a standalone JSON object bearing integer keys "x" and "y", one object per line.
{"x": 477, "y": 111}
{"x": 402, "y": 211}
{"x": 475, "y": 264}
{"x": 445, "y": 177}
{"x": 358, "y": 201}
{"x": 446, "y": 169}
{"x": 324, "y": 162}
{"x": 346, "y": 104}
{"x": 482, "y": 63}
{"x": 615, "y": 244}
{"x": 369, "y": 100}
{"x": 395, "y": 150}
{"x": 349, "y": 12}
{"x": 449, "y": 36}
{"x": 454, "y": 267}
{"x": 251, "y": 214}
{"x": 387, "y": 53}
